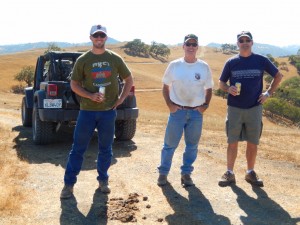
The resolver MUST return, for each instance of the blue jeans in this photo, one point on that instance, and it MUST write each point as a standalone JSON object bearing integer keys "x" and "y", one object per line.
{"x": 189, "y": 122}
{"x": 87, "y": 121}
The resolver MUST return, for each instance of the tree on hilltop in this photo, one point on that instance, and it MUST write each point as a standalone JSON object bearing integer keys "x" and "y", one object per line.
{"x": 229, "y": 48}
{"x": 52, "y": 47}
{"x": 159, "y": 49}
{"x": 139, "y": 48}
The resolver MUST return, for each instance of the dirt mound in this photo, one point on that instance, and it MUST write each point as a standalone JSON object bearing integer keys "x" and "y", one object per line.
{"x": 124, "y": 209}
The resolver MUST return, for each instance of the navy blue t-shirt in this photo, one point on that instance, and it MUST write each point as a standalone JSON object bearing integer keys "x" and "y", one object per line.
{"x": 249, "y": 72}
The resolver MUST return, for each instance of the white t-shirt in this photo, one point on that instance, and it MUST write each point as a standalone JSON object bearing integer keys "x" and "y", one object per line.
{"x": 188, "y": 81}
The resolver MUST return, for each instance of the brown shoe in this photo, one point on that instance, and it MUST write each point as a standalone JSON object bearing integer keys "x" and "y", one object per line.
{"x": 67, "y": 192}
{"x": 103, "y": 186}
{"x": 186, "y": 180}
{"x": 253, "y": 179}
{"x": 227, "y": 179}
{"x": 162, "y": 180}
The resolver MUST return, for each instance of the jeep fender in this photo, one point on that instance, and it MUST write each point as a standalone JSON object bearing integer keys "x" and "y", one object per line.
{"x": 39, "y": 97}
{"x": 29, "y": 97}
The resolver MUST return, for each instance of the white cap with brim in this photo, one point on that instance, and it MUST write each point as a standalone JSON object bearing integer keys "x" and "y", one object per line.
{"x": 98, "y": 28}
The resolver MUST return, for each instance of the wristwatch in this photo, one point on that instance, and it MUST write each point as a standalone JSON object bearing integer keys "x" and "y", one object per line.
{"x": 205, "y": 105}
{"x": 267, "y": 94}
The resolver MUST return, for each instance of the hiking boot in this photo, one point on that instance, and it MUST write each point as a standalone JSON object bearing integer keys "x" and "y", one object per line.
{"x": 186, "y": 180}
{"x": 162, "y": 180}
{"x": 227, "y": 179}
{"x": 103, "y": 186}
{"x": 253, "y": 179}
{"x": 67, "y": 192}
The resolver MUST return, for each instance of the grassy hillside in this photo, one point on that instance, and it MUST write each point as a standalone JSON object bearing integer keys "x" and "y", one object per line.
{"x": 147, "y": 71}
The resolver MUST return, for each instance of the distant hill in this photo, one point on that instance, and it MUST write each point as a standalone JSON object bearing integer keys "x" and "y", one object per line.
{"x": 6, "y": 49}
{"x": 265, "y": 49}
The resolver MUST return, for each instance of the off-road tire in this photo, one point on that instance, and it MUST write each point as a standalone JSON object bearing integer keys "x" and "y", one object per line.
{"x": 42, "y": 131}
{"x": 26, "y": 114}
{"x": 125, "y": 129}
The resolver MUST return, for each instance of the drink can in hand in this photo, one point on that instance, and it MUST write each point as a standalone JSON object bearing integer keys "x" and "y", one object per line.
{"x": 238, "y": 86}
{"x": 102, "y": 90}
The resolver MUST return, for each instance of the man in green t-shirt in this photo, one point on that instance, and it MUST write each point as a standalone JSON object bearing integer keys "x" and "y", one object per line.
{"x": 95, "y": 80}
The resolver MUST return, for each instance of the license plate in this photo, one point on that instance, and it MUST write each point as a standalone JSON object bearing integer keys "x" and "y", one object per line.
{"x": 53, "y": 103}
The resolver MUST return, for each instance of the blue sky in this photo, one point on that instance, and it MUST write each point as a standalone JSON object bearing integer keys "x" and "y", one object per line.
{"x": 156, "y": 20}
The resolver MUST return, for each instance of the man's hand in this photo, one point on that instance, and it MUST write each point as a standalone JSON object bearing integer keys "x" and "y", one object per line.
{"x": 263, "y": 97}
{"x": 173, "y": 108}
{"x": 232, "y": 90}
{"x": 202, "y": 108}
{"x": 97, "y": 97}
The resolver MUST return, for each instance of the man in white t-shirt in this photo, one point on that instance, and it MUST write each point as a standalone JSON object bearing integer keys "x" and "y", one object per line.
{"x": 187, "y": 90}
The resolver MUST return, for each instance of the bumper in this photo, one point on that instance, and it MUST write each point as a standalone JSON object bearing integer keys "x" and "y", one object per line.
{"x": 60, "y": 115}
{"x": 127, "y": 114}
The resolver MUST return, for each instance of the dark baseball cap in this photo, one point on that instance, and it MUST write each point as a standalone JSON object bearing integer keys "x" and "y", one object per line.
{"x": 189, "y": 37}
{"x": 244, "y": 34}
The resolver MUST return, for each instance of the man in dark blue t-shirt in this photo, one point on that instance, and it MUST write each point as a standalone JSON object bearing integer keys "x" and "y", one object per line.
{"x": 244, "y": 72}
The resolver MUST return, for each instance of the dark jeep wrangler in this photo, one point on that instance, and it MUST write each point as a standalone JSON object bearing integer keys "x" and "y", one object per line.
{"x": 51, "y": 103}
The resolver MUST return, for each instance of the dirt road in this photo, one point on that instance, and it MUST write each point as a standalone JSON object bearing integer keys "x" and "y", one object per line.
{"x": 133, "y": 178}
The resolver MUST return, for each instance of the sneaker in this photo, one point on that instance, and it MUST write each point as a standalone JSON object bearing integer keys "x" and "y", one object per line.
{"x": 186, "y": 180}
{"x": 103, "y": 186}
{"x": 162, "y": 180}
{"x": 227, "y": 179}
{"x": 253, "y": 179}
{"x": 67, "y": 192}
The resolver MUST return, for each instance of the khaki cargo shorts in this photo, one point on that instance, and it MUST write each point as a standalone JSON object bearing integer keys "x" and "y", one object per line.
{"x": 244, "y": 124}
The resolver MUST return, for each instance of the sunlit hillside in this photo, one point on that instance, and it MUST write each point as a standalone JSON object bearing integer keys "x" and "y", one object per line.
{"x": 147, "y": 71}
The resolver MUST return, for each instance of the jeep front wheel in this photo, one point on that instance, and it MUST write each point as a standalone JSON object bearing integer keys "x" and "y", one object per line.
{"x": 42, "y": 131}
{"x": 125, "y": 129}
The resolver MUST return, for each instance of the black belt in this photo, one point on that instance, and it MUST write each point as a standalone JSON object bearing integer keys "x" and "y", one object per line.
{"x": 185, "y": 107}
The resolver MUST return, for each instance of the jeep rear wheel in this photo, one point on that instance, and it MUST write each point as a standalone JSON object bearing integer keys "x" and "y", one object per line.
{"x": 43, "y": 132}
{"x": 125, "y": 129}
{"x": 26, "y": 114}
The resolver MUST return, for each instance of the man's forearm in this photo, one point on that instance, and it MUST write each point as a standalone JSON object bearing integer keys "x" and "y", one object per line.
{"x": 166, "y": 94}
{"x": 275, "y": 83}
{"x": 128, "y": 82}
{"x": 208, "y": 96}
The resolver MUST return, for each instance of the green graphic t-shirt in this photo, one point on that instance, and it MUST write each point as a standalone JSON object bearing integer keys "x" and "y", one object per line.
{"x": 94, "y": 71}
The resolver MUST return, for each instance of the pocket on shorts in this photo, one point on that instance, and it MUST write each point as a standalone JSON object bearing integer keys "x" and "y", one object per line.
{"x": 226, "y": 127}
{"x": 261, "y": 129}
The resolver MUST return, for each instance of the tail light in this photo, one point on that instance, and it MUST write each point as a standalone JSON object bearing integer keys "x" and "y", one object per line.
{"x": 132, "y": 91}
{"x": 52, "y": 90}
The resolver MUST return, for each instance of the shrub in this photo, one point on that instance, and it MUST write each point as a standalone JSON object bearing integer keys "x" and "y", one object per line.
{"x": 18, "y": 89}
{"x": 26, "y": 75}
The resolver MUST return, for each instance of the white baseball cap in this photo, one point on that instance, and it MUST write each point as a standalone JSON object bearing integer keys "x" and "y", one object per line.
{"x": 98, "y": 28}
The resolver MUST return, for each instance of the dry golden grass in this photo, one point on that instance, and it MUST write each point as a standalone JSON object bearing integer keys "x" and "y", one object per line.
{"x": 152, "y": 119}
{"x": 147, "y": 71}
{"x": 12, "y": 173}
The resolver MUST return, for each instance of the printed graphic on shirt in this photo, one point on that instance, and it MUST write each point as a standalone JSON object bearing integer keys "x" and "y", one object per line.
{"x": 197, "y": 76}
{"x": 100, "y": 72}
{"x": 246, "y": 74}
